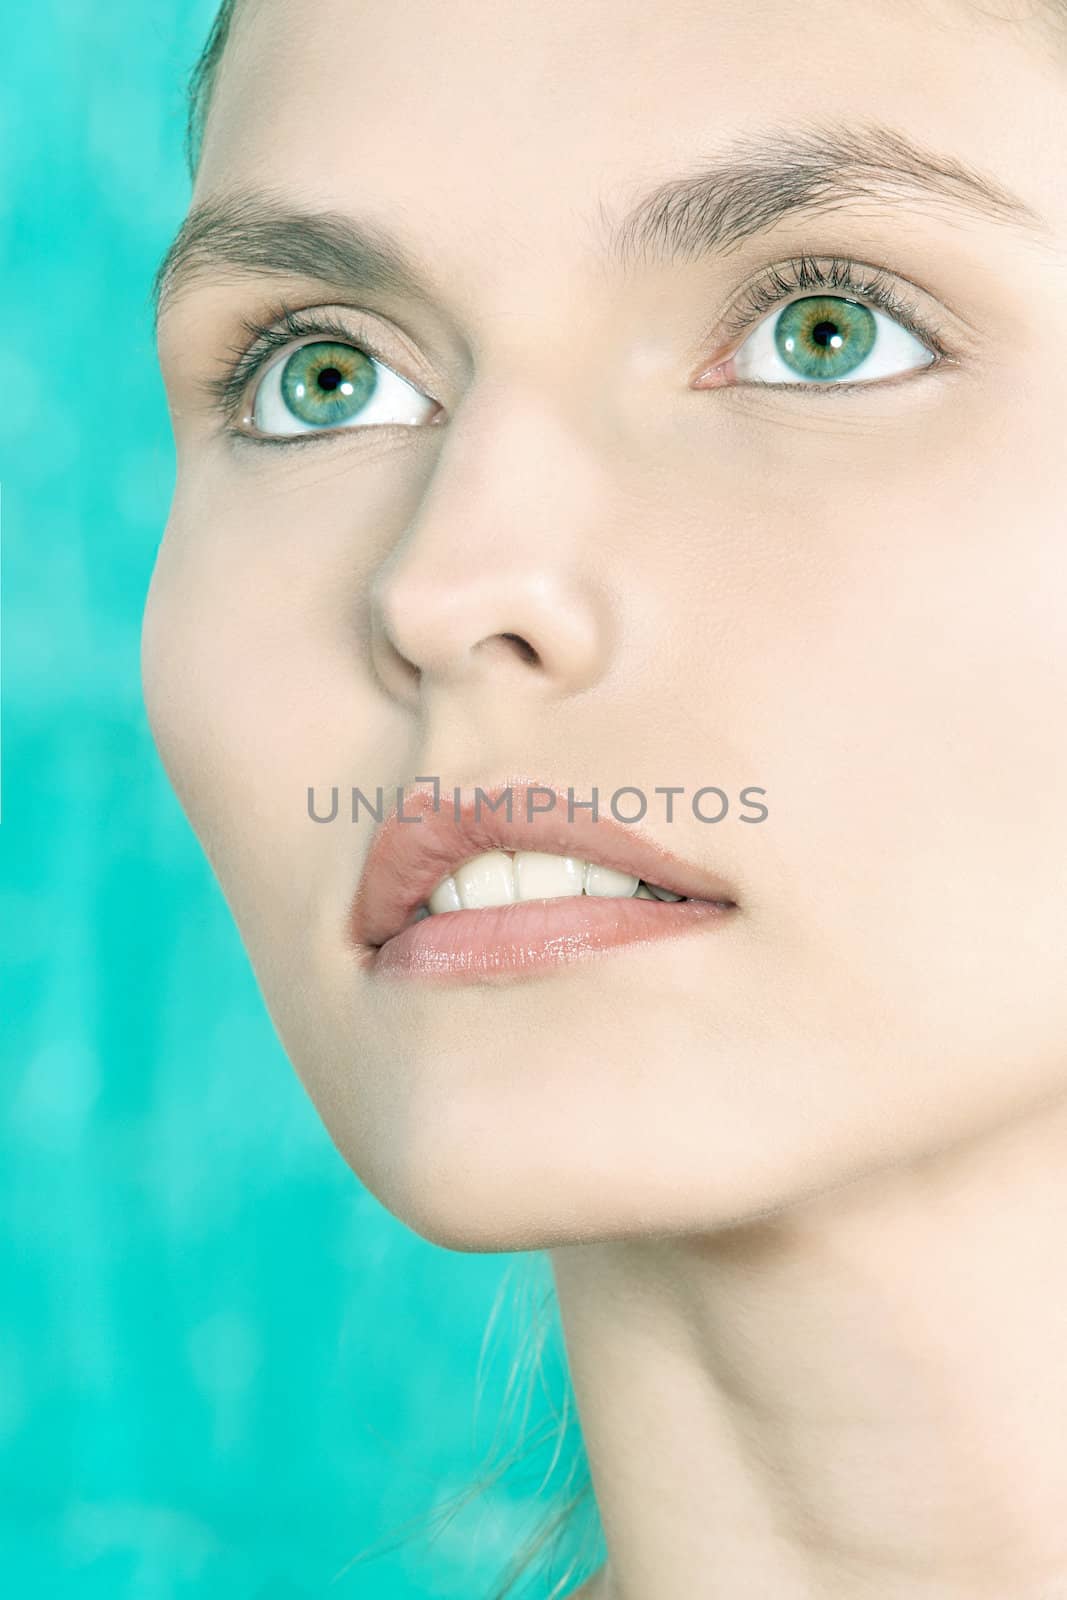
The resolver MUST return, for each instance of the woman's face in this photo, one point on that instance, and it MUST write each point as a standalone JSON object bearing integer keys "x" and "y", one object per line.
{"x": 849, "y": 591}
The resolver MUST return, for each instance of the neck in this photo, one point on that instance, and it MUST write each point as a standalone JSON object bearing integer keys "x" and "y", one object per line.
{"x": 864, "y": 1396}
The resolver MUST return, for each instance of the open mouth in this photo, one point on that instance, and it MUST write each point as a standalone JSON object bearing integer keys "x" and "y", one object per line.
{"x": 466, "y": 895}
{"x": 511, "y": 877}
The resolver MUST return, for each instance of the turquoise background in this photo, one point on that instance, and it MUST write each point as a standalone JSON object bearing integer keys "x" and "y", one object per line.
{"x": 224, "y": 1367}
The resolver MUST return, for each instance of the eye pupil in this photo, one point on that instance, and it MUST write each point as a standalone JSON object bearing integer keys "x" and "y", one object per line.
{"x": 329, "y": 378}
{"x": 825, "y": 333}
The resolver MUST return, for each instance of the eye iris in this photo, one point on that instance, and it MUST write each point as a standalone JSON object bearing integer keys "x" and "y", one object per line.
{"x": 326, "y": 384}
{"x": 824, "y": 336}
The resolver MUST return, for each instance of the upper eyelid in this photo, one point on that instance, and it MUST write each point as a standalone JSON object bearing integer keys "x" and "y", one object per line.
{"x": 270, "y": 341}
{"x": 950, "y": 346}
{"x": 907, "y": 296}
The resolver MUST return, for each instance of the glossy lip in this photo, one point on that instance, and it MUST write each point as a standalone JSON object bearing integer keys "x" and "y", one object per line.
{"x": 529, "y": 937}
{"x": 416, "y": 846}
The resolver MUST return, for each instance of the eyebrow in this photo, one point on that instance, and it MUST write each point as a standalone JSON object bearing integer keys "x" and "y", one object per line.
{"x": 742, "y": 192}
{"x": 759, "y": 181}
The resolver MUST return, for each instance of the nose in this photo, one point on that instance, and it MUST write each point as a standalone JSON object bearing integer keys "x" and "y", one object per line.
{"x": 499, "y": 584}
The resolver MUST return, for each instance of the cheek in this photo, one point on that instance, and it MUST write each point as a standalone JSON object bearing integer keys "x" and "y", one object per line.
{"x": 910, "y": 697}
{"x": 252, "y": 699}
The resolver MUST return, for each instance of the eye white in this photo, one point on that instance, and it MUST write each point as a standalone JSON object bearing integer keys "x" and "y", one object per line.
{"x": 394, "y": 401}
{"x": 895, "y": 350}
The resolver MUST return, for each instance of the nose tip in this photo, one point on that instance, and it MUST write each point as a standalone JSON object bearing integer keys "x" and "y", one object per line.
{"x": 544, "y": 632}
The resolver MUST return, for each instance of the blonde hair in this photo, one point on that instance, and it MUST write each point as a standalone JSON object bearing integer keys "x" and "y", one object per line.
{"x": 571, "y": 1534}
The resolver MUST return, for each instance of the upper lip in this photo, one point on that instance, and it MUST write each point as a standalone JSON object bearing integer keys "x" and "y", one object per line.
{"x": 407, "y": 859}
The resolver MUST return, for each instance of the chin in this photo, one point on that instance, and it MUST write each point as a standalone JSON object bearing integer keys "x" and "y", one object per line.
{"x": 508, "y": 1191}
{"x": 480, "y": 1194}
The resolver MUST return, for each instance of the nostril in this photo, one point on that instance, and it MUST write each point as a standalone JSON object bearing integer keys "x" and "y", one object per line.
{"x": 526, "y": 651}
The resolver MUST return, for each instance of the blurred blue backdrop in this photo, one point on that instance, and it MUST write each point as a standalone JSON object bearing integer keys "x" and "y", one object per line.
{"x": 224, "y": 1368}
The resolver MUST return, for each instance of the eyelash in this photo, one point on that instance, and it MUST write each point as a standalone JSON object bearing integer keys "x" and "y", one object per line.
{"x": 265, "y": 339}
{"x": 804, "y": 273}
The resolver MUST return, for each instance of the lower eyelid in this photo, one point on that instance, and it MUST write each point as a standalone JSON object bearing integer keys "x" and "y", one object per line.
{"x": 381, "y": 433}
{"x": 859, "y": 392}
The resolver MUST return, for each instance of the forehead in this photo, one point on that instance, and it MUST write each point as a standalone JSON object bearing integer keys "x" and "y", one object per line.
{"x": 477, "y": 127}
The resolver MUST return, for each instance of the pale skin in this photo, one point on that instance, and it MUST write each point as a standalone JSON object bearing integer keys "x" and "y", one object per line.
{"x": 803, "y": 1185}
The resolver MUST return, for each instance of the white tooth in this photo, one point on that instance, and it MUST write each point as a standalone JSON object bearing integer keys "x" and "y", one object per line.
{"x": 664, "y": 894}
{"x": 486, "y": 880}
{"x": 445, "y": 897}
{"x": 539, "y": 876}
{"x": 644, "y": 892}
{"x": 606, "y": 881}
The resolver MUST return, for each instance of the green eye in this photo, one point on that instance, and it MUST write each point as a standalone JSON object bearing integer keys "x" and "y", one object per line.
{"x": 328, "y": 385}
{"x": 824, "y": 336}
{"x": 827, "y": 338}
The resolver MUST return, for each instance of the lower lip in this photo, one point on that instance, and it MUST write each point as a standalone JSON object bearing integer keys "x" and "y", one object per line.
{"x": 528, "y": 937}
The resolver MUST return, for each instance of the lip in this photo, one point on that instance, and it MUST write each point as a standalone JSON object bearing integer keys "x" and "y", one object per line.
{"x": 417, "y": 845}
